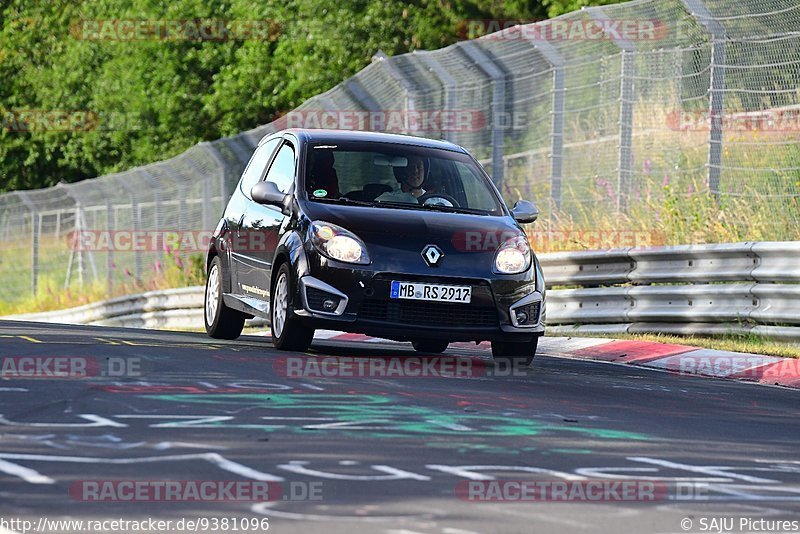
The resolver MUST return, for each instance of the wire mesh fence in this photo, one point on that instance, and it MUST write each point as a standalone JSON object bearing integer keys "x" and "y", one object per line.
{"x": 587, "y": 114}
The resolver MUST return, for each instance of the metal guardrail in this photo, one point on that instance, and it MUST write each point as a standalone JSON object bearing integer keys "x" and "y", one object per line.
{"x": 735, "y": 288}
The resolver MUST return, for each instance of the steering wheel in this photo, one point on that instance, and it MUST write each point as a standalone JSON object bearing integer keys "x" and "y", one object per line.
{"x": 438, "y": 199}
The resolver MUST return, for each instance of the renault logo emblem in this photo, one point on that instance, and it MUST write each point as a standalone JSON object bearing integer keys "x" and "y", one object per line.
{"x": 432, "y": 254}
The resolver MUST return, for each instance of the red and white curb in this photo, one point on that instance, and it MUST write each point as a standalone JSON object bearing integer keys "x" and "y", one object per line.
{"x": 684, "y": 360}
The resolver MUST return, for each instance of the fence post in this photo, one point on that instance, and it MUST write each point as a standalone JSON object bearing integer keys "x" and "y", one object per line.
{"x": 137, "y": 226}
{"x": 483, "y": 62}
{"x": 448, "y": 84}
{"x": 36, "y": 227}
{"x": 111, "y": 225}
{"x": 627, "y": 73}
{"x": 223, "y": 180}
{"x": 362, "y": 96}
{"x": 556, "y": 60}
{"x": 716, "y": 89}
{"x": 406, "y": 85}
{"x": 154, "y": 184}
{"x": 205, "y": 214}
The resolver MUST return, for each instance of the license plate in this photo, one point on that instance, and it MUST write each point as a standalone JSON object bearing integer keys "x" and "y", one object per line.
{"x": 434, "y": 292}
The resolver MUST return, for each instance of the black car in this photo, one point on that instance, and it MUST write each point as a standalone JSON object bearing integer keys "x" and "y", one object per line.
{"x": 392, "y": 236}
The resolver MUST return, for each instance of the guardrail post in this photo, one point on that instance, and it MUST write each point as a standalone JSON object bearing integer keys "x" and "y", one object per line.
{"x": 627, "y": 73}
{"x": 484, "y": 63}
{"x": 447, "y": 81}
{"x": 716, "y": 89}
{"x": 556, "y": 61}
{"x": 36, "y": 228}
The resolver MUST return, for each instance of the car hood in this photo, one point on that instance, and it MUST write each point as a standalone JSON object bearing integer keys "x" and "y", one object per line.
{"x": 395, "y": 238}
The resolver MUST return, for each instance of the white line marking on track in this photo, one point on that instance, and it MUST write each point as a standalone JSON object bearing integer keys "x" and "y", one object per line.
{"x": 27, "y": 474}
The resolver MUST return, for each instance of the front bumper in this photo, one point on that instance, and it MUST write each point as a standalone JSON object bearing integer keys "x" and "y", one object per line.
{"x": 358, "y": 302}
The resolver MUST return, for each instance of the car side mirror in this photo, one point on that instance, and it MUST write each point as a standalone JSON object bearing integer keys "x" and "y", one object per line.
{"x": 525, "y": 211}
{"x": 269, "y": 194}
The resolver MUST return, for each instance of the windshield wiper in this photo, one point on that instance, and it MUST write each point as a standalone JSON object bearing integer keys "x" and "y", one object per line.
{"x": 454, "y": 209}
{"x": 345, "y": 200}
{"x": 437, "y": 207}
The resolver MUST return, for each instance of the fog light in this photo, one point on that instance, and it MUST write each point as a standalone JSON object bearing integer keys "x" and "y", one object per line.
{"x": 521, "y": 316}
{"x": 329, "y": 305}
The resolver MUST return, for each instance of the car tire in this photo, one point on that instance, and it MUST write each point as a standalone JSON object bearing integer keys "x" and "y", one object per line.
{"x": 515, "y": 353}
{"x": 221, "y": 321}
{"x": 430, "y": 345}
{"x": 288, "y": 332}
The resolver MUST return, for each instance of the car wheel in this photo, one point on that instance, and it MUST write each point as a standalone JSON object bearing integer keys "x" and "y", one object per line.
{"x": 288, "y": 332}
{"x": 430, "y": 345}
{"x": 515, "y": 353}
{"x": 221, "y": 321}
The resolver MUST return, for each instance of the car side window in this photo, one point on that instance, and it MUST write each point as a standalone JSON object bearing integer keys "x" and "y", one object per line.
{"x": 282, "y": 170}
{"x": 258, "y": 164}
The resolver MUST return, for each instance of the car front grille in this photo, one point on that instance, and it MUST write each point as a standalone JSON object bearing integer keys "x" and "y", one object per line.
{"x": 418, "y": 313}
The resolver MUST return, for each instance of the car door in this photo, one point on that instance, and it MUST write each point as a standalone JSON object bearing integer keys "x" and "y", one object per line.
{"x": 238, "y": 248}
{"x": 262, "y": 225}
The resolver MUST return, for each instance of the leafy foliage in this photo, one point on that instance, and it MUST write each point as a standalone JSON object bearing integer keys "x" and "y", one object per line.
{"x": 166, "y": 95}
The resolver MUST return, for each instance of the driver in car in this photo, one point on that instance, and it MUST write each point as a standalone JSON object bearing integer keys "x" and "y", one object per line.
{"x": 410, "y": 179}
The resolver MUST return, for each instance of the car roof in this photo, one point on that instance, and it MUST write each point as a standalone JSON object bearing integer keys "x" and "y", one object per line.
{"x": 332, "y": 136}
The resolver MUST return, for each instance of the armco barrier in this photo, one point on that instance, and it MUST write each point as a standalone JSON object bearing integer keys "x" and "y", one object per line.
{"x": 735, "y": 288}
{"x": 169, "y": 309}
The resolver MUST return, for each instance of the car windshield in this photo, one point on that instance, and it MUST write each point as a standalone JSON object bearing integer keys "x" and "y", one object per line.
{"x": 398, "y": 176}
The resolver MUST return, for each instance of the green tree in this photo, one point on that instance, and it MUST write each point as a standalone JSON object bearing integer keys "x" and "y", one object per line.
{"x": 175, "y": 93}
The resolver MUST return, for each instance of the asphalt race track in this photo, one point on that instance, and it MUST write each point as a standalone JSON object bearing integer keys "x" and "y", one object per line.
{"x": 381, "y": 453}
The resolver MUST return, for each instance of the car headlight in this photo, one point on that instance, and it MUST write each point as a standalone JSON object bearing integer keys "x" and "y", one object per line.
{"x": 513, "y": 256}
{"x": 337, "y": 243}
